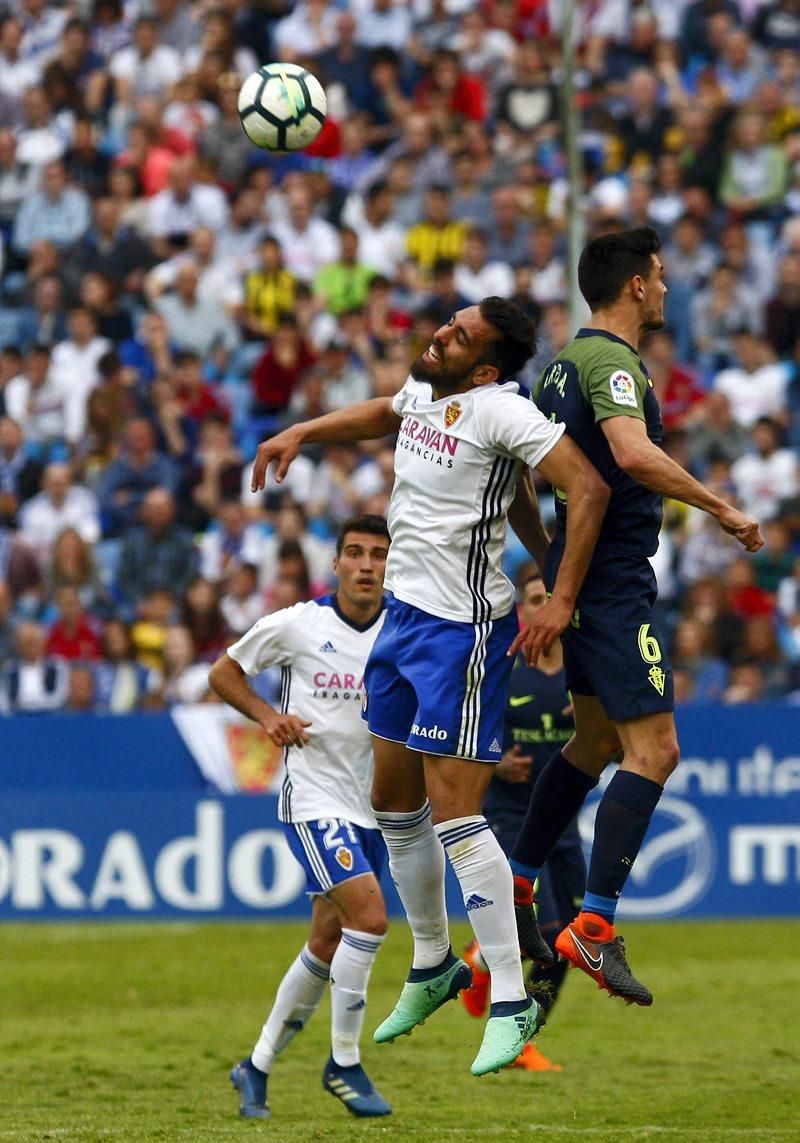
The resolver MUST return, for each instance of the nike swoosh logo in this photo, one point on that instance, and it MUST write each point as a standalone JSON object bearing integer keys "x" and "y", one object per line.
{"x": 520, "y": 700}
{"x": 593, "y": 961}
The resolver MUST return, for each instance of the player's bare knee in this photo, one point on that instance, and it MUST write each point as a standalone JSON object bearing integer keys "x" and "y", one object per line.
{"x": 390, "y": 801}
{"x": 323, "y": 946}
{"x": 447, "y": 809}
{"x": 372, "y": 921}
{"x": 657, "y": 762}
{"x": 666, "y": 756}
{"x": 671, "y": 756}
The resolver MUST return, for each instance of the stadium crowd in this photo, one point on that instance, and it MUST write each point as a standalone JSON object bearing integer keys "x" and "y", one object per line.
{"x": 171, "y": 295}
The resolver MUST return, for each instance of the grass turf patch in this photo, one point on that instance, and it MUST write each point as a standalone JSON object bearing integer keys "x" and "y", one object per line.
{"x": 127, "y": 1032}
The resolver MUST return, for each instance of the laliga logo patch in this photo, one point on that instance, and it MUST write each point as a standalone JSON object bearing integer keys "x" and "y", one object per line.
{"x": 623, "y": 388}
{"x": 364, "y": 701}
{"x": 344, "y": 857}
{"x": 451, "y": 414}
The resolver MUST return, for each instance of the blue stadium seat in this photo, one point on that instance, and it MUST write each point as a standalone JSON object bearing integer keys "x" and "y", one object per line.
{"x": 238, "y": 396}
{"x": 9, "y": 327}
{"x": 243, "y": 359}
{"x": 255, "y": 431}
{"x": 108, "y": 553}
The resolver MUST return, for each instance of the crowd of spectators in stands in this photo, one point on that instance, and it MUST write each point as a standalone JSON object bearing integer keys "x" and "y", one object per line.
{"x": 170, "y": 295}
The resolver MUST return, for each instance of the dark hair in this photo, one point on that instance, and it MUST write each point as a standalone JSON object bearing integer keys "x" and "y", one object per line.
{"x": 207, "y": 628}
{"x": 108, "y": 364}
{"x": 291, "y": 550}
{"x": 531, "y": 576}
{"x": 517, "y": 341}
{"x": 383, "y": 55}
{"x": 379, "y": 187}
{"x": 371, "y": 525}
{"x": 479, "y": 233}
{"x": 187, "y": 357}
{"x": 611, "y": 260}
{"x": 446, "y": 54}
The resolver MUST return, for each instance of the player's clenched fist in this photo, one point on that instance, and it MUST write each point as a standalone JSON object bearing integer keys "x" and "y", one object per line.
{"x": 286, "y": 729}
{"x": 282, "y": 448}
{"x": 742, "y": 527}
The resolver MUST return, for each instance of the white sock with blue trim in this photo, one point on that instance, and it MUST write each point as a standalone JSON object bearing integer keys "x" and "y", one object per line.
{"x": 296, "y": 1001}
{"x": 416, "y": 863}
{"x": 350, "y": 968}
{"x": 487, "y": 886}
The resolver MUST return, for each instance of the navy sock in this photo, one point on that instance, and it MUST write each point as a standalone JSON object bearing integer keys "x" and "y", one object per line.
{"x": 559, "y": 793}
{"x": 509, "y": 1007}
{"x": 623, "y": 817}
{"x": 417, "y": 975}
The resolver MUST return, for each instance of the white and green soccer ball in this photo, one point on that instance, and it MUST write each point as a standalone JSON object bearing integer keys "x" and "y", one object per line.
{"x": 282, "y": 107}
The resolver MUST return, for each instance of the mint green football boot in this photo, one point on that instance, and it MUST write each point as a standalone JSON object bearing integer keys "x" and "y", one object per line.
{"x": 504, "y": 1038}
{"x": 424, "y": 992}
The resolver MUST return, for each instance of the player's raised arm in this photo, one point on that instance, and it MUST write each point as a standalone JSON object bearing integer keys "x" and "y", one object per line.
{"x": 365, "y": 421}
{"x": 229, "y": 681}
{"x": 587, "y": 495}
{"x": 646, "y": 463}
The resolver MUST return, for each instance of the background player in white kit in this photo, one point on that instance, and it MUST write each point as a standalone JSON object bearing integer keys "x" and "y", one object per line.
{"x": 322, "y": 647}
{"x": 437, "y": 678}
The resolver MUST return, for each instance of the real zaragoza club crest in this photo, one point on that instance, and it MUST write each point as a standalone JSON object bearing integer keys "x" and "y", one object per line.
{"x": 451, "y": 414}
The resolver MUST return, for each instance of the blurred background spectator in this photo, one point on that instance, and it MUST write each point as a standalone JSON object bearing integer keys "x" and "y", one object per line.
{"x": 170, "y": 295}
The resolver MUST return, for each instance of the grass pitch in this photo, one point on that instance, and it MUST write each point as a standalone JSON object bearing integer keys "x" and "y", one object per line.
{"x": 127, "y": 1033}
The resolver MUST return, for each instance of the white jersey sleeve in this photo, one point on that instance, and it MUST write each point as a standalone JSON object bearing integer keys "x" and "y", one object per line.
{"x": 513, "y": 426}
{"x": 269, "y": 642}
{"x": 404, "y": 398}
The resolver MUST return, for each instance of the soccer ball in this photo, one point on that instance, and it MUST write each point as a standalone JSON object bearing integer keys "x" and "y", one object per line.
{"x": 282, "y": 107}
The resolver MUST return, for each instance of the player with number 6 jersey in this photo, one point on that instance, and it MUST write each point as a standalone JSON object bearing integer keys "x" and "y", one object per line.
{"x": 322, "y": 648}
{"x": 615, "y": 660}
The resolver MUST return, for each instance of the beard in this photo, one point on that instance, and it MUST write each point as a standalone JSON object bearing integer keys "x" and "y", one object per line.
{"x": 657, "y": 321}
{"x": 436, "y": 374}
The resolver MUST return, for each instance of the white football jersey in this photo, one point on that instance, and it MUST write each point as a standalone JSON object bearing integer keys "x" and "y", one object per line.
{"x": 457, "y": 463}
{"x": 322, "y": 654}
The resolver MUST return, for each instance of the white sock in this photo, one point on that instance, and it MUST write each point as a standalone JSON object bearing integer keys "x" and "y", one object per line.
{"x": 350, "y": 968}
{"x": 296, "y": 1001}
{"x": 487, "y": 886}
{"x": 416, "y": 863}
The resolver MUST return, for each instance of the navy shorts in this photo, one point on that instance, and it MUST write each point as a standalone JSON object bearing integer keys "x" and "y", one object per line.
{"x": 613, "y": 648}
{"x": 332, "y": 850}
{"x": 439, "y": 686}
